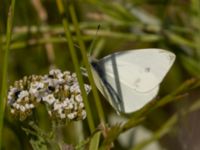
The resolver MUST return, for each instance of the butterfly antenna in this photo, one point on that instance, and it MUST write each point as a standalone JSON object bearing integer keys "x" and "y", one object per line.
{"x": 93, "y": 41}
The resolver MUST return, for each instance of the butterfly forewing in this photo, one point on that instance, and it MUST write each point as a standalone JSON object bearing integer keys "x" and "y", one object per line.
{"x": 142, "y": 70}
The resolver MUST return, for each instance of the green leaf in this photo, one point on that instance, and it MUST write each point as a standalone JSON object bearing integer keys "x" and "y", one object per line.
{"x": 94, "y": 142}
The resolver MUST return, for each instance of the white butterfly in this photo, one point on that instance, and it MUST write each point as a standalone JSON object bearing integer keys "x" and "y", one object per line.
{"x": 130, "y": 79}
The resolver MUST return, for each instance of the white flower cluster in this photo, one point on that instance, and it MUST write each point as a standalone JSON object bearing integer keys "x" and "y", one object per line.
{"x": 59, "y": 91}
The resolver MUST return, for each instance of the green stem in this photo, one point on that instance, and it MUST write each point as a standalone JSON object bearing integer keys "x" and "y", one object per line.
{"x": 5, "y": 66}
{"x": 76, "y": 65}
{"x": 87, "y": 65}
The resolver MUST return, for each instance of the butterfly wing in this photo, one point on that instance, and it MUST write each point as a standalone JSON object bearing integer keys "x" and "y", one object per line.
{"x": 142, "y": 70}
{"x": 133, "y": 77}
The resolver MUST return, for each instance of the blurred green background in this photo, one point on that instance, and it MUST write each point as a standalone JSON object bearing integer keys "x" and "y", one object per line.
{"x": 39, "y": 43}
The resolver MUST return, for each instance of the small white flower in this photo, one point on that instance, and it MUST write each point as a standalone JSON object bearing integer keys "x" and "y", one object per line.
{"x": 75, "y": 88}
{"x": 71, "y": 116}
{"x": 64, "y": 103}
{"x": 54, "y": 71}
{"x": 35, "y": 87}
{"x": 33, "y": 91}
{"x": 56, "y": 106}
{"x": 31, "y": 106}
{"x": 79, "y": 98}
{"x": 81, "y": 105}
{"x": 50, "y": 99}
{"x": 83, "y": 113}
{"x": 70, "y": 106}
{"x": 59, "y": 76}
{"x": 17, "y": 106}
{"x": 23, "y": 94}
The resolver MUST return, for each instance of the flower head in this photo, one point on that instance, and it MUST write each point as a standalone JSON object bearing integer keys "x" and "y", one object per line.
{"x": 59, "y": 91}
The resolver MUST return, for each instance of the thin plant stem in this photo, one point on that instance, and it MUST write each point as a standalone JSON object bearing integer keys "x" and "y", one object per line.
{"x": 40, "y": 41}
{"x": 76, "y": 65}
{"x": 5, "y": 66}
{"x": 87, "y": 65}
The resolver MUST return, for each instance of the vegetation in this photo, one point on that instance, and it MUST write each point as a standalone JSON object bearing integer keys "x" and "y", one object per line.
{"x": 40, "y": 35}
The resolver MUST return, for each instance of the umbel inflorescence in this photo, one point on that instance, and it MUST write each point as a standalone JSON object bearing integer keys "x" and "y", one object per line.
{"x": 59, "y": 91}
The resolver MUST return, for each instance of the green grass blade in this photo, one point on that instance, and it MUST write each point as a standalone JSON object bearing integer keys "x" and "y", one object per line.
{"x": 87, "y": 65}
{"x": 94, "y": 142}
{"x": 5, "y": 66}
{"x": 76, "y": 64}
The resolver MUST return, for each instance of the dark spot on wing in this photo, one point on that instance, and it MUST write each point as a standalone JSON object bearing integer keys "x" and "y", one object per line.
{"x": 147, "y": 69}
